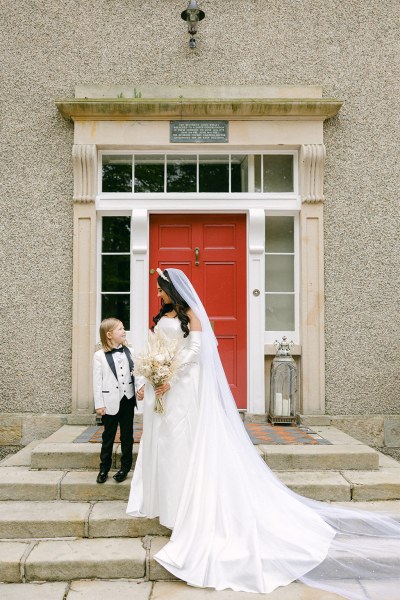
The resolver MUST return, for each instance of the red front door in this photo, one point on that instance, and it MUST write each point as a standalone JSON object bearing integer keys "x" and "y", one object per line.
{"x": 211, "y": 250}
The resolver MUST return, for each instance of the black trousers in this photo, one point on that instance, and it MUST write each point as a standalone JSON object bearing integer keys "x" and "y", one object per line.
{"x": 123, "y": 418}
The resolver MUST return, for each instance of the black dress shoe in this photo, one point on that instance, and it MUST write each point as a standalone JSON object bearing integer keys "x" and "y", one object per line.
{"x": 102, "y": 477}
{"x": 120, "y": 476}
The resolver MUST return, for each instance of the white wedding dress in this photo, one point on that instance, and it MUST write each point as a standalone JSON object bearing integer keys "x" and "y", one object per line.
{"x": 235, "y": 525}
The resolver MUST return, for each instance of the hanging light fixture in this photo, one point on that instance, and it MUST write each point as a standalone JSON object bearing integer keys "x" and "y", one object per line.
{"x": 192, "y": 15}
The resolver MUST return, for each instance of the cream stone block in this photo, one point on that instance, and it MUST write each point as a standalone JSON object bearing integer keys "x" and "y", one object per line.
{"x": 150, "y": 134}
{"x": 10, "y": 429}
{"x": 368, "y": 429}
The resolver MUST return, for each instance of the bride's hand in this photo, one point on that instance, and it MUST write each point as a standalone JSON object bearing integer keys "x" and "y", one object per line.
{"x": 162, "y": 389}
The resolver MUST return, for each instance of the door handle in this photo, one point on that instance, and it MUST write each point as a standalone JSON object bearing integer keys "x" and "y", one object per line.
{"x": 196, "y": 256}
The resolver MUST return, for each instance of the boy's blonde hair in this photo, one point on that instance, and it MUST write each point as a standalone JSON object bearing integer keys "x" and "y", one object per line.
{"x": 105, "y": 326}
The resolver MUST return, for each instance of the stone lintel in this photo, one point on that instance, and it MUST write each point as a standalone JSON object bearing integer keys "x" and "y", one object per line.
{"x": 117, "y": 109}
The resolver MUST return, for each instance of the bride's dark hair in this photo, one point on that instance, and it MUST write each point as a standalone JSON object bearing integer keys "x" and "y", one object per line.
{"x": 178, "y": 304}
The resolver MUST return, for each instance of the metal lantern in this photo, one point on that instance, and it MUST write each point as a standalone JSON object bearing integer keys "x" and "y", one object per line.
{"x": 283, "y": 385}
{"x": 192, "y": 15}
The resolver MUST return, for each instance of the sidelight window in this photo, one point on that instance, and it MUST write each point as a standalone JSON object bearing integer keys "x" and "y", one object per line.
{"x": 280, "y": 274}
{"x": 115, "y": 268}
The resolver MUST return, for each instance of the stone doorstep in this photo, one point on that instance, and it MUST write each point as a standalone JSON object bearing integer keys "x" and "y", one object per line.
{"x": 146, "y": 590}
{"x": 316, "y": 458}
{"x": 24, "y": 520}
{"x": 69, "y": 456}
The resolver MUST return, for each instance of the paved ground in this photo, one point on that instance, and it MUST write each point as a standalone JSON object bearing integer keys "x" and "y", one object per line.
{"x": 131, "y": 590}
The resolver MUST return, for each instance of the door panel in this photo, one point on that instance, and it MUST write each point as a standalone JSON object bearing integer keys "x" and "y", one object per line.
{"x": 219, "y": 279}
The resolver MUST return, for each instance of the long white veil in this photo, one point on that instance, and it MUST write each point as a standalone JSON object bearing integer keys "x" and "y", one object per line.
{"x": 239, "y": 527}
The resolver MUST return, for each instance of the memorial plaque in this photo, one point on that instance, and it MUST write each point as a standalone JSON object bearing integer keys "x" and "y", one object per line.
{"x": 199, "y": 132}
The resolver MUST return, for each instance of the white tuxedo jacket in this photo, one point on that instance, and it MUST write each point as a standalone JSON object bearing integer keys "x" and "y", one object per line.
{"x": 105, "y": 382}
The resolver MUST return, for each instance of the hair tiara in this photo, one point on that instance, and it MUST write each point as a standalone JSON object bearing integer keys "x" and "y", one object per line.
{"x": 161, "y": 274}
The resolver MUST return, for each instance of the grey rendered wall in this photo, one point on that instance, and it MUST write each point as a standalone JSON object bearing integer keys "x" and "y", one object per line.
{"x": 49, "y": 46}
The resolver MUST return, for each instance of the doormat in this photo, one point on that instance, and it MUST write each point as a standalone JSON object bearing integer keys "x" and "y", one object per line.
{"x": 259, "y": 433}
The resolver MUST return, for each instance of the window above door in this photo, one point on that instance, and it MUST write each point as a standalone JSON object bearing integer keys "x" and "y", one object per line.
{"x": 129, "y": 173}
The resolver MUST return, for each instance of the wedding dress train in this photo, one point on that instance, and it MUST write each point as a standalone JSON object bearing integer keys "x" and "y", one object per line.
{"x": 235, "y": 525}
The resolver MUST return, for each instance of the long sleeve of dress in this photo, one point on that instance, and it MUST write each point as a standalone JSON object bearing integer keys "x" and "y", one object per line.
{"x": 189, "y": 354}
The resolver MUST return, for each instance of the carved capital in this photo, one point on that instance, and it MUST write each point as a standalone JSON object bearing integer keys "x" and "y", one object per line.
{"x": 312, "y": 161}
{"x": 84, "y": 158}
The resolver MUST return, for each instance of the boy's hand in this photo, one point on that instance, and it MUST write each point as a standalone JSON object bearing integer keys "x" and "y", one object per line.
{"x": 101, "y": 411}
{"x": 140, "y": 393}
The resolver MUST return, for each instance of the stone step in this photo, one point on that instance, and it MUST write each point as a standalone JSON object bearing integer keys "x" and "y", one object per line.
{"x": 25, "y": 520}
{"x": 61, "y": 519}
{"x": 69, "y": 456}
{"x": 21, "y": 483}
{"x": 63, "y": 560}
{"x": 107, "y": 558}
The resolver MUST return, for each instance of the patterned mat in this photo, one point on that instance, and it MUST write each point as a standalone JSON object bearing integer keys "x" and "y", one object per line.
{"x": 259, "y": 433}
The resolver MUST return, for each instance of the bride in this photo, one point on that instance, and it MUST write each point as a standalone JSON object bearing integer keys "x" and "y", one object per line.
{"x": 235, "y": 525}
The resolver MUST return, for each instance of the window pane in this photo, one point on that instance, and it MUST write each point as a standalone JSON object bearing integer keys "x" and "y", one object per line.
{"x": 181, "y": 173}
{"x": 115, "y": 273}
{"x": 279, "y": 312}
{"x": 117, "y": 173}
{"x": 279, "y": 273}
{"x": 116, "y": 234}
{"x": 239, "y": 173}
{"x": 257, "y": 173}
{"x": 214, "y": 174}
{"x": 116, "y": 305}
{"x": 279, "y": 234}
{"x": 278, "y": 173}
{"x": 149, "y": 173}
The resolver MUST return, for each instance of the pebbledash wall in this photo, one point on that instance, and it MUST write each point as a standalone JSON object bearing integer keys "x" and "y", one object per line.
{"x": 48, "y": 48}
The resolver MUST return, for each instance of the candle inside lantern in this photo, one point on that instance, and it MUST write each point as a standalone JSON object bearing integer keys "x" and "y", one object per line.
{"x": 278, "y": 404}
{"x": 286, "y": 407}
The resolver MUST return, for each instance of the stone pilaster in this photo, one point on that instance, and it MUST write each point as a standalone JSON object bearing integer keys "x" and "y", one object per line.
{"x": 312, "y": 159}
{"x": 84, "y": 277}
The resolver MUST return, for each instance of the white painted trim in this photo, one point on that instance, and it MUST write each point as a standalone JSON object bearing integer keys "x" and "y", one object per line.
{"x": 175, "y": 204}
{"x": 139, "y": 277}
{"x": 256, "y": 378}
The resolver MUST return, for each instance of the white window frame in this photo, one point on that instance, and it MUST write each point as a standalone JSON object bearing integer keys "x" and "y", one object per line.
{"x": 187, "y": 196}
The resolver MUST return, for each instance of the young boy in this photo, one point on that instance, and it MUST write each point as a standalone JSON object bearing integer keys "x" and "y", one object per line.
{"x": 114, "y": 396}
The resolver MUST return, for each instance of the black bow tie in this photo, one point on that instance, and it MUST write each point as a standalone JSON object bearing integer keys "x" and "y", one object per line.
{"x": 117, "y": 350}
